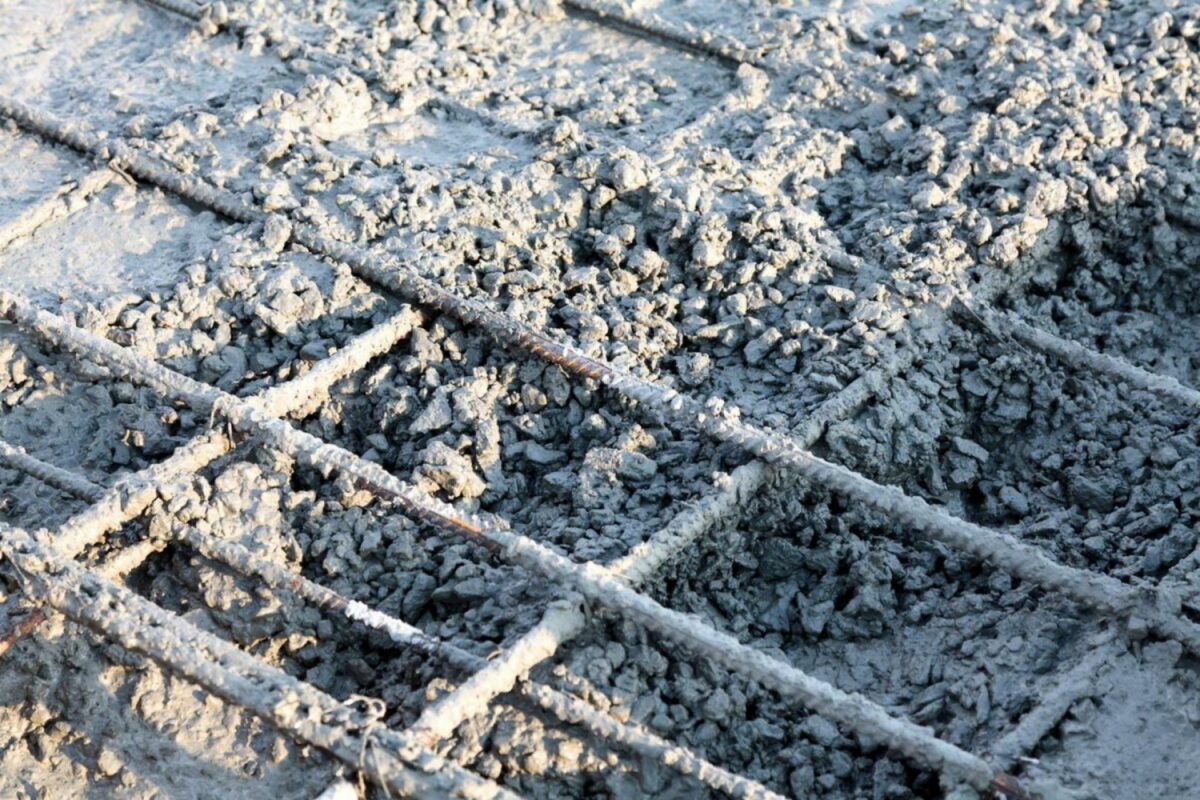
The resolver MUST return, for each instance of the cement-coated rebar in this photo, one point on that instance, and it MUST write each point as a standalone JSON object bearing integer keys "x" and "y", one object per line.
{"x": 556, "y": 628}
{"x": 645, "y": 558}
{"x": 437, "y": 721}
{"x": 234, "y": 21}
{"x": 1053, "y": 705}
{"x": 65, "y": 480}
{"x": 120, "y": 154}
{"x": 1082, "y": 358}
{"x": 730, "y": 54}
{"x": 60, "y": 204}
{"x": 594, "y": 582}
{"x": 562, "y": 705}
{"x": 184, "y": 8}
{"x": 780, "y": 450}
{"x": 999, "y": 549}
{"x": 296, "y": 708}
{"x": 132, "y": 494}
{"x": 116, "y": 566}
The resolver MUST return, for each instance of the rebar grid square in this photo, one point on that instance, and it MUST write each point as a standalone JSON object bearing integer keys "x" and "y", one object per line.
{"x": 971, "y": 538}
{"x": 1080, "y": 586}
{"x": 99, "y": 519}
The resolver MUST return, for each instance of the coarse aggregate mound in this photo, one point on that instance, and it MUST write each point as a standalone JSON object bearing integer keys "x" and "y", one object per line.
{"x": 763, "y": 234}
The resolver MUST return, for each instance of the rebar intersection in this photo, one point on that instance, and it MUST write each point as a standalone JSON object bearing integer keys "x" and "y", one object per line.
{"x": 1108, "y": 596}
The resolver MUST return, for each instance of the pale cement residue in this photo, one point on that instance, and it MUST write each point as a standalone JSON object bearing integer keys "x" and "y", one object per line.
{"x": 628, "y": 184}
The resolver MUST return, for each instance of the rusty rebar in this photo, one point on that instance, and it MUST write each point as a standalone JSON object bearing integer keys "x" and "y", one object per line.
{"x": 295, "y": 708}
{"x": 594, "y": 582}
{"x": 565, "y": 707}
{"x": 556, "y": 628}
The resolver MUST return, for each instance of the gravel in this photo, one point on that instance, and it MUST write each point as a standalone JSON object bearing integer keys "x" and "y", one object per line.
{"x": 763, "y": 233}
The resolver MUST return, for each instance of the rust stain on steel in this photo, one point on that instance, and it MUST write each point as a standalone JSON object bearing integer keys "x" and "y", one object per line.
{"x": 20, "y": 629}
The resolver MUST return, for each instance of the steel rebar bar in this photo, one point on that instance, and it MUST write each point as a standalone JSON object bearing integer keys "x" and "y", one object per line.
{"x": 593, "y": 582}
{"x": 724, "y": 50}
{"x": 61, "y": 203}
{"x": 643, "y": 560}
{"x": 1053, "y": 705}
{"x": 565, "y": 707}
{"x": 131, "y": 495}
{"x": 294, "y": 707}
{"x": 1082, "y": 358}
{"x": 1024, "y": 561}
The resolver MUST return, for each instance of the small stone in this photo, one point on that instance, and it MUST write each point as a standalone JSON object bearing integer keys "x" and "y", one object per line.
{"x": 802, "y": 780}
{"x": 436, "y": 416}
{"x": 1103, "y": 193}
{"x": 695, "y": 368}
{"x": 580, "y": 276}
{"x": 1160, "y": 26}
{"x": 451, "y": 471}
{"x": 536, "y": 762}
{"x": 821, "y": 730}
{"x": 533, "y": 397}
{"x": 814, "y": 618}
{"x": 564, "y": 131}
{"x": 542, "y": 455}
{"x": 1015, "y": 501}
{"x": 470, "y": 590}
{"x": 717, "y": 706}
{"x": 626, "y": 177}
{"x": 780, "y": 558}
{"x": 418, "y": 596}
{"x": 107, "y": 764}
{"x": 1131, "y": 458}
{"x": 758, "y": 348}
{"x": 839, "y": 294}
{"x": 276, "y": 233}
{"x": 315, "y": 350}
{"x": 615, "y": 653}
{"x": 982, "y": 232}
{"x": 706, "y": 254}
{"x": 1097, "y": 494}
{"x": 970, "y": 449}
{"x": 636, "y": 468}
{"x": 1165, "y": 456}
{"x": 929, "y": 196}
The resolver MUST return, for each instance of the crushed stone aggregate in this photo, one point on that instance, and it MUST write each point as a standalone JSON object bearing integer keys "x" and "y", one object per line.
{"x": 763, "y": 215}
